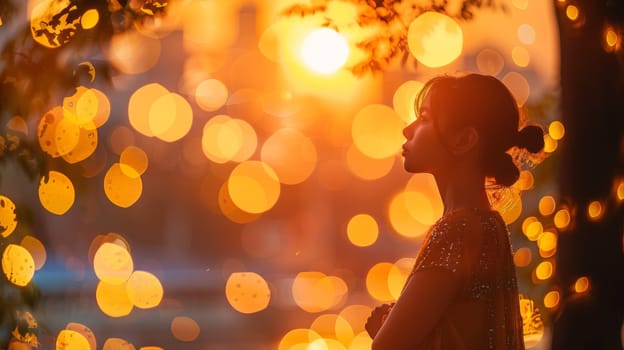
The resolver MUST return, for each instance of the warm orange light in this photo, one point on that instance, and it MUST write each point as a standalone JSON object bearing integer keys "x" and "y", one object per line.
{"x": 534, "y": 230}
{"x": 211, "y": 94}
{"x": 562, "y": 218}
{"x": 401, "y": 218}
{"x": 89, "y": 19}
{"x": 377, "y": 281}
{"x": 36, "y": 249}
{"x": 291, "y": 154}
{"x": 377, "y": 131}
{"x": 404, "y": 99}
{"x": 121, "y": 189}
{"x": 518, "y": 85}
{"x": 572, "y": 12}
{"x": 362, "y": 230}
{"x": 368, "y": 168}
{"x": 398, "y": 275}
{"x": 113, "y": 263}
{"x": 550, "y": 144}
{"x": 185, "y": 329}
{"x": 544, "y": 270}
{"x": 611, "y": 37}
{"x": 581, "y": 285}
{"x": 140, "y": 104}
{"x": 522, "y": 257}
{"x": 356, "y": 315}
{"x": 56, "y": 192}
{"x": 435, "y": 39}
{"x": 112, "y": 299}
{"x": 117, "y": 344}
{"x": 314, "y": 291}
{"x": 71, "y": 340}
{"x": 8, "y": 219}
{"x": 520, "y": 56}
{"x": 247, "y": 292}
{"x": 619, "y": 192}
{"x": 144, "y": 290}
{"x": 18, "y": 265}
{"x": 324, "y": 50}
{"x": 254, "y": 187}
{"x": 547, "y": 242}
{"x": 86, "y": 332}
{"x": 526, "y": 34}
{"x": 595, "y": 210}
{"x": 133, "y": 53}
{"x": 546, "y": 205}
{"x": 525, "y": 180}
{"x": 556, "y": 130}
{"x": 133, "y": 161}
{"x": 551, "y": 299}
{"x": 490, "y": 62}
{"x": 298, "y": 339}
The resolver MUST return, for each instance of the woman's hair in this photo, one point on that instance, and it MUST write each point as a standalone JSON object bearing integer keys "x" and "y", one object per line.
{"x": 483, "y": 102}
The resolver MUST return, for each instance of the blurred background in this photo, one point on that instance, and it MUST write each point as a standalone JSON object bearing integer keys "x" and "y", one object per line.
{"x": 202, "y": 174}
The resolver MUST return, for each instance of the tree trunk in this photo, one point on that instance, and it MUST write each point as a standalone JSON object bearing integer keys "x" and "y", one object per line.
{"x": 592, "y": 107}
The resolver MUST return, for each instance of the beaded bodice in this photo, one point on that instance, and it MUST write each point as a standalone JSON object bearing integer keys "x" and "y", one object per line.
{"x": 476, "y": 245}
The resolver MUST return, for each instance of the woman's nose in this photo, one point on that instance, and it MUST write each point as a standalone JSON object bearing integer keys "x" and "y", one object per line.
{"x": 407, "y": 131}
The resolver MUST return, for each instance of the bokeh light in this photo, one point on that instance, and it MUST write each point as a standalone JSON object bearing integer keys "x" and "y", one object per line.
{"x": 551, "y": 299}
{"x": 324, "y": 50}
{"x": 556, "y": 130}
{"x": 581, "y": 285}
{"x": 56, "y": 192}
{"x": 133, "y": 161}
{"x": 113, "y": 263}
{"x": 522, "y": 257}
{"x": 520, "y": 56}
{"x": 314, "y": 291}
{"x": 404, "y": 100}
{"x": 254, "y": 187}
{"x": 368, "y": 168}
{"x": 170, "y": 117}
{"x": 518, "y": 85}
{"x": 298, "y": 338}
{"x": 526, "y": 34}
{"x": 435, "y": 39}
{"x": 291, "y": 154}
{"x": 490, "y": 62}
{"x": 562, "y": 218}
{"x": 247, "y": 292}
{"x": 184, "y": 328}
{"x": 398, "y": 275}
{"x": 227, "y": 139}
{"x": 547, "y": 205}
{"x": 377, "y": 281}
{"x": 595, "y": 210}
{"x": 140, "y": 104}
{"x": 117, "y": 344}
{"x": 144, "y": 289}
{"x": 71, "y": 340}
{"x": 362, "y": 230}
{"x": 8, "y": 218}
{"x": 112, "y": 299}
{"x": 121, "y": 189}
{"x": 133, "y": 53}
{"x": 544, "y": 270}
{"x": 89, "y": 20}
{"x": 85, "y": 331}
{"x": 377, "y": 131}
{"x": 36, "y": 249}
{"x": 18, "y": 265}
{"x": 211, "y": 94}
{"x": 57, "y": 135}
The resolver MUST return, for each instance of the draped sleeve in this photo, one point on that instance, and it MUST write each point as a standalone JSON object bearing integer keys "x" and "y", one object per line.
{"x": 452, "y": 244}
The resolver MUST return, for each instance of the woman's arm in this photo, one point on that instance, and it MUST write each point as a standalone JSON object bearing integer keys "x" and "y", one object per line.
{"x": 427, "y": 295}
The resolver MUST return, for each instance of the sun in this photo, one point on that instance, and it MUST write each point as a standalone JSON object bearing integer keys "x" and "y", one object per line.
{"x": 324, "y": 51}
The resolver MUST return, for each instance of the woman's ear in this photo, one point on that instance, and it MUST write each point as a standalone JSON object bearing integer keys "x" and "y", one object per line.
{"x": 465, "y": 140}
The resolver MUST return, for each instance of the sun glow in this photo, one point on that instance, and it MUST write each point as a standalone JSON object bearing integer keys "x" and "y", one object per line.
{"x": 324, "y": 51}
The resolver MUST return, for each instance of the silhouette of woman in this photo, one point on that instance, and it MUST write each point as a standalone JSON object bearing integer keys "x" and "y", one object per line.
{"x": 462, "y": 292}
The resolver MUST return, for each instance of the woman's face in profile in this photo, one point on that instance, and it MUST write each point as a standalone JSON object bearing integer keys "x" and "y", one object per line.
{"x": 422, "y": 150}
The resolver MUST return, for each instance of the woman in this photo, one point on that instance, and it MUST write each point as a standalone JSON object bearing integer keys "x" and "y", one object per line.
{"x": 462, "y": 292}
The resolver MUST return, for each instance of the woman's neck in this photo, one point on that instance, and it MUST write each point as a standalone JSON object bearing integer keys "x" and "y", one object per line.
{"x": 462, "y": 189}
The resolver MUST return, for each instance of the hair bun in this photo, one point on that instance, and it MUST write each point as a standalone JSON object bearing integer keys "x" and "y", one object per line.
{"x": 532, "y": 138}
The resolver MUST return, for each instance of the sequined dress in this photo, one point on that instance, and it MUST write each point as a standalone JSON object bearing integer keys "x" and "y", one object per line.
{"x": 485, "y": 314}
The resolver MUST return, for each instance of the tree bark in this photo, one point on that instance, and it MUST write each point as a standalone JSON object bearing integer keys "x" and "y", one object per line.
{"x": 592, "y": 107}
